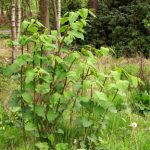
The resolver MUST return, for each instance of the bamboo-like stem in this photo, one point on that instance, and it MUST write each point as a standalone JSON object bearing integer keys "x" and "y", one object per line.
{"x": 74, "y": 102}
{"x": 90, "y": 112}
{"x": 104, "y": 114}
{"x": 22, "y": 102}
{"x": 65, "y": 84}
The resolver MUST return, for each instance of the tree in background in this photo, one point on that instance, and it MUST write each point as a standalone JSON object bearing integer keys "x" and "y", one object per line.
{"x": 56, "y": 7}
{"x": 93, "y": 4}
{"x": 44, "y": 13}
{"x": 59, "y": 15}
{"x": 13, "y": 30}
{"x": 26, "y": 9}
{"x": 15, "y": 26}
{"x": 2, "y": 7}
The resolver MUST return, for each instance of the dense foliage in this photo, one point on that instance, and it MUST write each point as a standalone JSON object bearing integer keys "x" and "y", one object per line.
{"x": 120, "y": 24}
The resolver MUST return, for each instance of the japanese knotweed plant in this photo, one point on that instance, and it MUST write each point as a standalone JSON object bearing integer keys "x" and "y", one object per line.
{"x": 63, "y": 99}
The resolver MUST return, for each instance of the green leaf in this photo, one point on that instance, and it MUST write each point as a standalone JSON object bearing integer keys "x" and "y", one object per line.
{"x": 23, "y": 40}
{"x": 55, "y": 98}
{"x": 54, "y": 33}
{"x": 83, "y": 13}
{"x": 52, "y": 115}
{"x": 47, "y": 79}
{"x": 71, "y": 57}
{"x": 112, "y": 86}
{"x": 24, "y": 25}
{"x": 64, "y": 20}
{"x": 29, "y": 126}
{"x": 50, "y": 47}
{"x": 58, "y": 59}
{"x": 134, "y": 81}
{"x": 39, "y": 24}
{"x": 60, "y": 131}
{"x": 77, "y": 26}
{"x": 43, "y": 88}
{"x": 105, "y": 104}
{"x": 52, "y": 139}
{"x": 30, "y": 75}
{"x": 104, "y": 51}
{"x": 32, "y": 28}
{"x": 78, "y": 35}
{"x": 73, "y": 16}
{"x": 64, "y": 28}
{"x": 69, "y": 39}
{"x": 40, "y": 110}
{"x": 11, "y": 69}
{"x": 62, "y": 146}
{"x": 122, "y": 85}
{"x": 83, "y": 22}
{"x": 27, "y": 97}
{"x": 86, "y": 52}
{"x": 100, "y": 96}
{"x": 112, "y": 109}
{"x": 86, "y": 85}
{"x": 116, "y": 75}
{"x": 42, "y": 146}
{"x": 92, "y": 14}
{"x": 45, "y": 39}
{"x": 86, "y": 122}
{"x": 101, "y": 76}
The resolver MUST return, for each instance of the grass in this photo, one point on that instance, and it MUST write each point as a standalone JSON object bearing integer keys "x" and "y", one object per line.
{"x": 5, "y": 50}
{"x": 6, "y": 84}
{"x": 6, "y": 27}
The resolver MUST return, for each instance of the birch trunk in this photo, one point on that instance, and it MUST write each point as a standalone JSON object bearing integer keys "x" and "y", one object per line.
{"x": 59, "y": 16}
{"x": 13, "y": 30}
{"x": 18, "y": 19}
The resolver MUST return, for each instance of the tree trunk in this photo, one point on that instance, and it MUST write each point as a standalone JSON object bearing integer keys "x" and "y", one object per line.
{"x": 29, "y": 9}
{"x": 44, "y": 13}
{"x": 55, "y": 14}
{"x": 59, "y": 16}
{"x": 93, "y": 4}
{"x": 2, "y": 10}
{"x": 18, "y": 18}
{"x": 13, "y": 30}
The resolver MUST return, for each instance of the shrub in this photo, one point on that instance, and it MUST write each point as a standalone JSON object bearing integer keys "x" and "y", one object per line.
{"x": 63, "y": 99}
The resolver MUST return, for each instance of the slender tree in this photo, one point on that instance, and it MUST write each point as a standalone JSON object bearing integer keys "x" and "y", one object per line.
{"x": 18, "y": 18}
{"x": 29, "y": 8}
{"x": 55, "y": 14}
{"x": 2, "y": 7}
{"x": 15, "y": 26}
{"x": 13, "y": 30}
{"x": 44, "y": 12}
{"x": 93, "y": 4}
{"x": 59, "y": 15}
